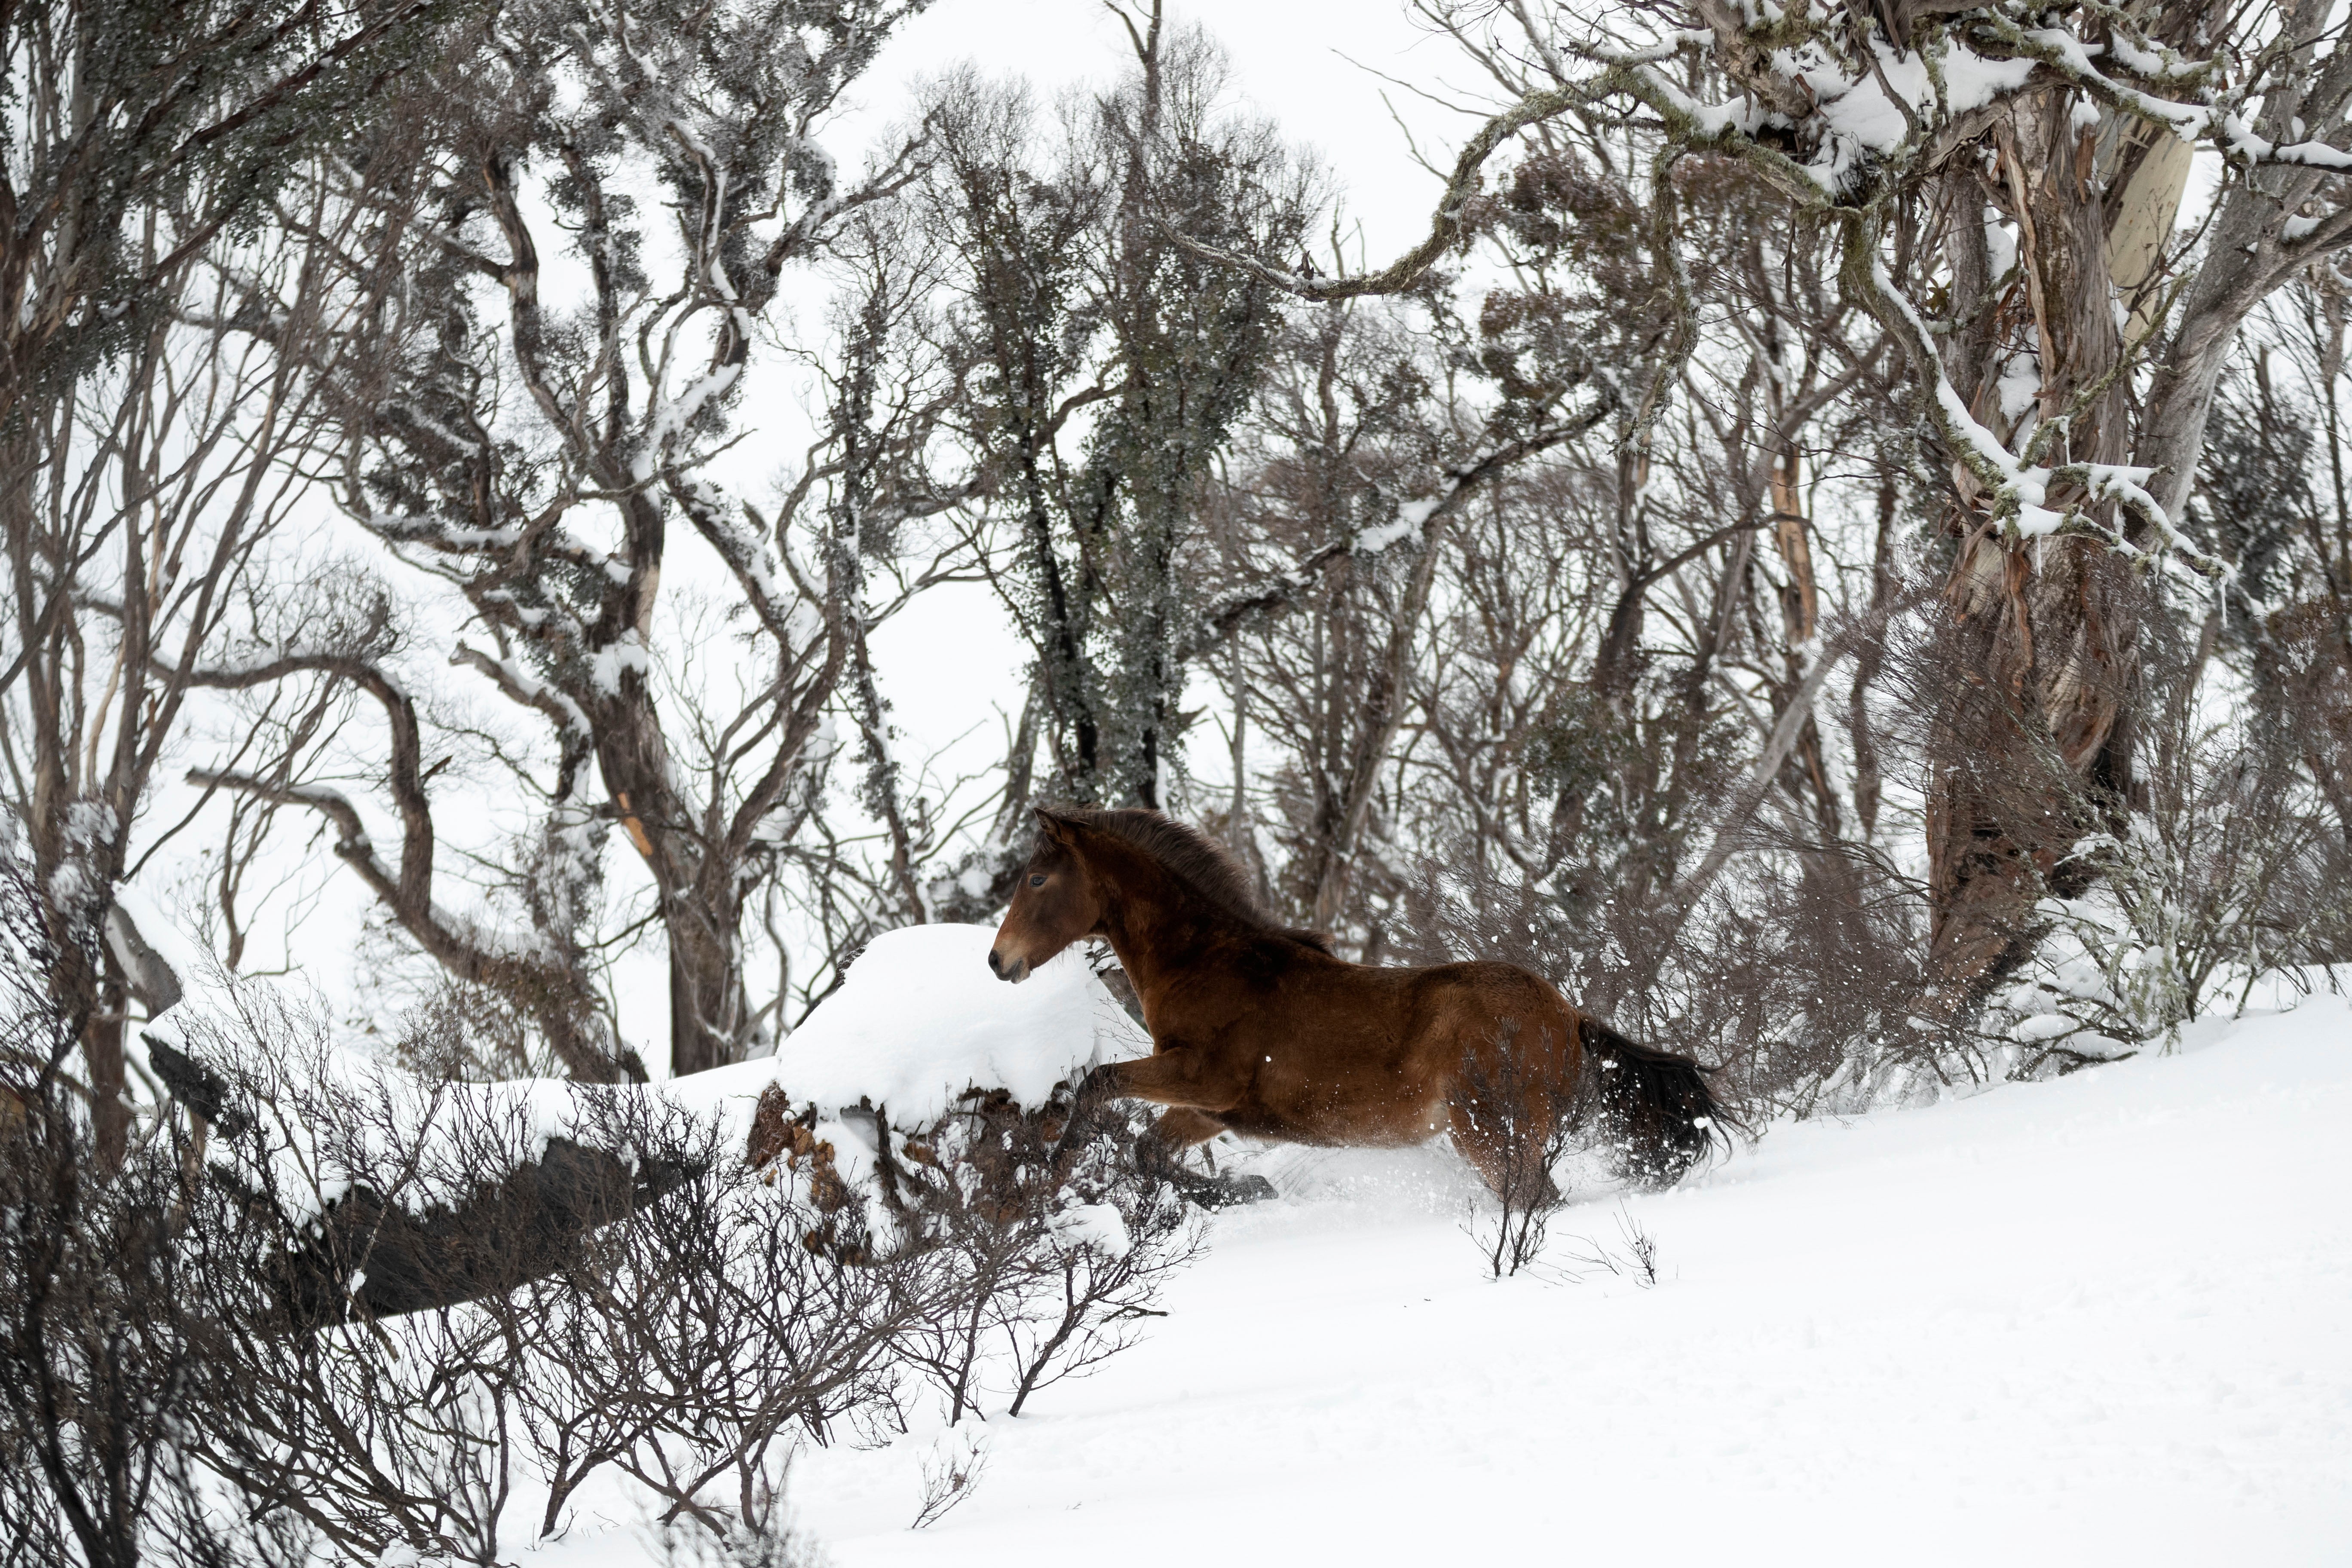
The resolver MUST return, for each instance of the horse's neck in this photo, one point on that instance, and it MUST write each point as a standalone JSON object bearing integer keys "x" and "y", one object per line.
{"x": 1153, "y": 923}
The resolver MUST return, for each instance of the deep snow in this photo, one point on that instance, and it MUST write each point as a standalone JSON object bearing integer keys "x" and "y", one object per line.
{"x": 2102, "y": 1319}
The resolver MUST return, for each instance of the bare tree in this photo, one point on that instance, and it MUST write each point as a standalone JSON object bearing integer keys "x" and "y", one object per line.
{"x": 2077, "y": 149}
{"x": 1071, "y": 296}
{"x": 534, "y": 454}
{"x": 1361, "y": 476}
{"x": 140, "y": 422}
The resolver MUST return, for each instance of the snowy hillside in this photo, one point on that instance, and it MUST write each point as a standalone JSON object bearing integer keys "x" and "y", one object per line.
{"x": 2099, "y": 1320}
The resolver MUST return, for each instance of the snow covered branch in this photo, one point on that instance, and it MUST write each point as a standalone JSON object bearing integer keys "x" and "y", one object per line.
{"x": 1410, "y": 520}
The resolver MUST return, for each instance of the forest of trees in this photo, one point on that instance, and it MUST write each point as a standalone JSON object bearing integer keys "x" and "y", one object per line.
{"x": 1836, "y": 549}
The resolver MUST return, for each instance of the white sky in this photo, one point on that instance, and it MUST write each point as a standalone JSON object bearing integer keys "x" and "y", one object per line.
{"x": 1288, "y": 65}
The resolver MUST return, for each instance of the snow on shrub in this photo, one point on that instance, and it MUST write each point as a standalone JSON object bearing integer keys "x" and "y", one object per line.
{"x": 918, "y": 1023}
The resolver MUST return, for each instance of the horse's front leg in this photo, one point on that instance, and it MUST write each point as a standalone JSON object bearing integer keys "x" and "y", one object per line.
{"x": 1170, "y": 1078}
{"x": 1179, "y": 1129}
{"x": 1173, "y": 1076}
{"x": 1182, "y": 1127}
{"x": 1192, "y": 1089}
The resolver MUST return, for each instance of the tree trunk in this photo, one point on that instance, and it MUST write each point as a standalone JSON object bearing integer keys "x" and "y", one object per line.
{"x": 708, "y": 1005}
{"x": 2041, "y": 632}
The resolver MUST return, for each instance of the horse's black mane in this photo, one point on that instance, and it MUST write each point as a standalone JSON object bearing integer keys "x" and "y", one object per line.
{"x": 1197, "y": 860}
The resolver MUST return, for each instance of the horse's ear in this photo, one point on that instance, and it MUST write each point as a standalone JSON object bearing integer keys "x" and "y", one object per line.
{"x": 1052, "y": 825}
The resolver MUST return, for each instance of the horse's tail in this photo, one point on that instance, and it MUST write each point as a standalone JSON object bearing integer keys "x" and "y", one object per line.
{"x": 1657, "y": 1107}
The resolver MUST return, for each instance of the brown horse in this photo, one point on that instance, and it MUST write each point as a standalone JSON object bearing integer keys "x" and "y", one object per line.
{"x": 1258, "y": 1029}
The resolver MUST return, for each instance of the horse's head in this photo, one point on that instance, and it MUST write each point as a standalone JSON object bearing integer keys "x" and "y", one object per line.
{"x": 1055, "y": 904}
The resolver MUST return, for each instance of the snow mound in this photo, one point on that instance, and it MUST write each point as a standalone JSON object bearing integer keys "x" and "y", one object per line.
{"x": 920, "y": 1019}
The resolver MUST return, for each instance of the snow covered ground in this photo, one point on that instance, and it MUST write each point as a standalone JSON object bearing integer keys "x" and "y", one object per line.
{"x": 2101, "y": 1319}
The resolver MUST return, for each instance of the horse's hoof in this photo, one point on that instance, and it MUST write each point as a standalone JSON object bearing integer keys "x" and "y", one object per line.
{"x": 1226, "y": 1191}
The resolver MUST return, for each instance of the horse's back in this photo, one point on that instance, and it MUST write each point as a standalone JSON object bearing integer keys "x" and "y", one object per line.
{"x": 1487, "y": 1019}
{"x": 1493, "y": 993}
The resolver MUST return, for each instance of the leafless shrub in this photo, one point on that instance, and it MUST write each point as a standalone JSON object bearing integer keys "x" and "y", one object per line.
{"x": 96, "y": 1352}
{"x": 973, "y": 1186}
{"x": 353, "y": 1376}
{"x": 350, "y": 1312}
{"x": 1102, "y": 1258}
{"x": 2217, "y": 863}
{"x": 104, "y": 1340}
{"x": 1642, "y": 1249}
{"x": 771, "y": 1543}
{"x": 1527, "y": 1122}
{"x": 1059, "y": 1241}
{"x": 482, "y": 1299}
{"x": 950, "y": 1473}
{"x": 299, "y": 1334}
{"x": 403, "y": 1300}
{"x": 1634, "y": 1257}
{"x": 702, "y": 1344}
{"x": 467, "y": 1033}
{"x": 2204, "y": 852}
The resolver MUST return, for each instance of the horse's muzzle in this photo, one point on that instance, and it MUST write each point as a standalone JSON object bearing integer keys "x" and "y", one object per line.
{"x": 1013, "y": 973}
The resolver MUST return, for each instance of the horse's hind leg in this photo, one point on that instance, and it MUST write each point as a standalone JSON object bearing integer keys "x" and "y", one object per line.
{"x": 1511, "y": 1145}
{"x": 1510, "y": 1088}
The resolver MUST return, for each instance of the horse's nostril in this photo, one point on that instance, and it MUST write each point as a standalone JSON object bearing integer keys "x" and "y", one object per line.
{"x": 995, "y": 964}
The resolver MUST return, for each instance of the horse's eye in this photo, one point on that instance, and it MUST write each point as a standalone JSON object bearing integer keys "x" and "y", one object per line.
{"x": 1037, "y": 881}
